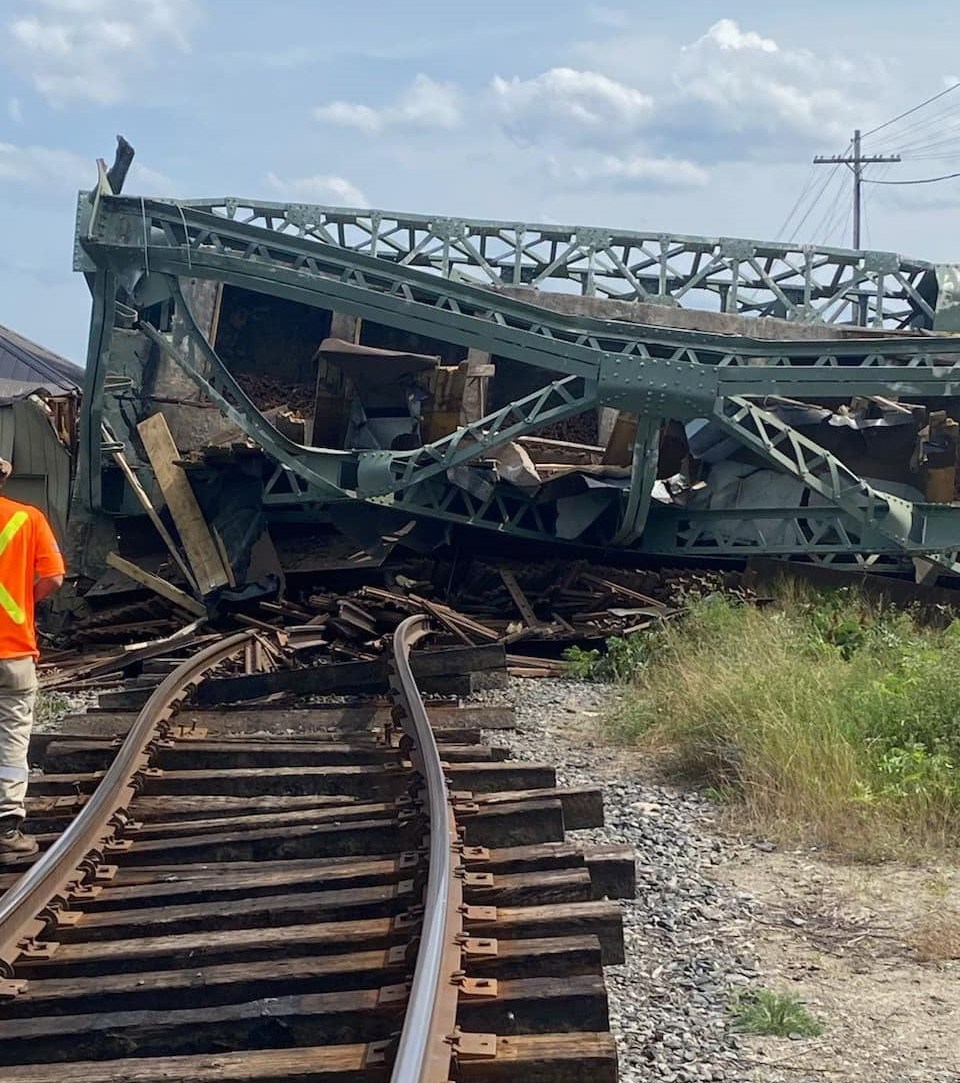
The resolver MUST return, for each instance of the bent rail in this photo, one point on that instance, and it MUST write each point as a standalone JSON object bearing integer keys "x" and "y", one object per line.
{"x": 429, "y": 1036}
{"x": 57, "y": 875}
{"x": 96, "y": 825}
{"x": 424, "y": 1053}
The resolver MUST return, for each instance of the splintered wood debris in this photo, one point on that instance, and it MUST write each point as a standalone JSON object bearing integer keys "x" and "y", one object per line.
{"x": 534, "y": 611}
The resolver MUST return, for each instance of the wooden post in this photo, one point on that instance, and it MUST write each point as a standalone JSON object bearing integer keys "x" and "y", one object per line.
{"x": 198, "y": 542}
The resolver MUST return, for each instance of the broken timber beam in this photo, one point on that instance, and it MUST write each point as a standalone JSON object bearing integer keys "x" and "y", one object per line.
{"x": 198, "y": 542}
{"x": 520, "y": 599}
{"x": 141, "y": 494}
{"x": 156, "y": 584}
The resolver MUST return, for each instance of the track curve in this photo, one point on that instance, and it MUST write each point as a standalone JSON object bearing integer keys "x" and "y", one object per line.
{"x": 156, "y": 970}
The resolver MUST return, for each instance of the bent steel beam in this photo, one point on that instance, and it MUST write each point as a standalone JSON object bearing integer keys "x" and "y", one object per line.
{"x": 637, "y": 366}
{"x": 909, "y": 525}
{"x": 142, "y": 247}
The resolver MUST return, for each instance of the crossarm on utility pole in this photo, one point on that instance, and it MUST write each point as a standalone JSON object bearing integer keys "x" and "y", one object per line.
{"x": 856, "y": 162}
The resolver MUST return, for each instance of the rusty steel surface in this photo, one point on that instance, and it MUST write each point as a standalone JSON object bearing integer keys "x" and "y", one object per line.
{"x": 425, "y": 1048}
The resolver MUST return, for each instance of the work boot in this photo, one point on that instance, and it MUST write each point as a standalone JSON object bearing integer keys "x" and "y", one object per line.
{"x": 15, "y": 846}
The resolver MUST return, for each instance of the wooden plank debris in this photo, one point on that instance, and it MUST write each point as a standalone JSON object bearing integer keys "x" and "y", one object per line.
{"x": 520, "y": 600}
{"x": 480, "y": 602}
{"x": 141, "y": 494}
{"x": 201, "y": 549}
{"x": 348, "y": 676}
{"x": 156, "y": 584}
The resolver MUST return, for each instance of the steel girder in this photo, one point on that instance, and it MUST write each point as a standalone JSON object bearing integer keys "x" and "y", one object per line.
{"x": 808, "y": 283}
{"x": 643, "y": 474}
{"x": 146, "y": 245}
{"x": 636, "y": 366}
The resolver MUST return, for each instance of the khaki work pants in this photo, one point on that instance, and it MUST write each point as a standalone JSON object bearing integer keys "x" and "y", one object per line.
{"x": 18, "y": 690}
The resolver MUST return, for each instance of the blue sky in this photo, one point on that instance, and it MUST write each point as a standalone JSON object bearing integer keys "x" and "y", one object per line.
{"x": 690, "y": 117}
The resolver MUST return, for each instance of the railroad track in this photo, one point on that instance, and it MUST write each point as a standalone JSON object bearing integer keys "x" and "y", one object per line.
{"x": 397, "y": 905}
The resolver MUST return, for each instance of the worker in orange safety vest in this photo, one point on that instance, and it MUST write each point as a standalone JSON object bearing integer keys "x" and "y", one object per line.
{"x": 31, "y": 567}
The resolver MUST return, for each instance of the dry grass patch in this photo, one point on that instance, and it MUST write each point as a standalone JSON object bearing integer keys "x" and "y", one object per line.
{"x": 819, "y": 717}
{"x": 938, "y": 939}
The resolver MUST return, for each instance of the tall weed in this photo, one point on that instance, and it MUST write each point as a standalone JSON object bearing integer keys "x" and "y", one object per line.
{"x": 822, "y": 715}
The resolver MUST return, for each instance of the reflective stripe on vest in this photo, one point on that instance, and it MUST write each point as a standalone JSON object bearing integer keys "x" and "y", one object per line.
{"x": 8, "y": 603}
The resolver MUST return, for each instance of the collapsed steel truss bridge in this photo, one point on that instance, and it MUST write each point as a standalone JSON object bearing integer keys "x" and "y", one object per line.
{"x": 441, "y": 278}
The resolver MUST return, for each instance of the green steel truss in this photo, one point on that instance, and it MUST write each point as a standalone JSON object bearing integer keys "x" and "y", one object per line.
{"x": 762, "y": 278}
{"x": 409, "y": 274}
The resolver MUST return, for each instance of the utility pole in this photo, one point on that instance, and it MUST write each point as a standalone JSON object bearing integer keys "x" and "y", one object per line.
{"x": 856, "y": 162}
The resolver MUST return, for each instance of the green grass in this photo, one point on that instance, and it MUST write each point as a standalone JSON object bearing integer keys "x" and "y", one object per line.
{"x": 820, "y": 716}
{"x": 776, "y": 1014}
{"x": 50, "y": 707}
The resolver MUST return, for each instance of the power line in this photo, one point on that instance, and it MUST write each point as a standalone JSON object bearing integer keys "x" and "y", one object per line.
{"x": 834, "y": 218}
{"x": 922, "y": 180}
{"x": 846, "y": 219}
{"x": 868, "y": 204}
{"x": 816, "y": 199}
{"x": 807, "y": 185}
{"x": 856, "y": 162}
{"x": 908, "y": 112}
{"x": 924, "y": 126}
{"x": 931, "y": 140}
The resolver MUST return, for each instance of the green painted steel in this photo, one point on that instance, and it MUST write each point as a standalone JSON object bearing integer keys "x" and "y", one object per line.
{"x": 807, "y": 283}
{"x": 408, "y": 272}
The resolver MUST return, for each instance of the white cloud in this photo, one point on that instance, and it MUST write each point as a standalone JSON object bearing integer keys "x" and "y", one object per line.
{"x": 734, "y": 93}
{"x": 424, "y": 104}
{"x": 728, "y": 35}
{"x": 740, "y": 89}
{"x": 90, "y": 49}
{"x": 52, "y": 169}
{"x": 591, "y": 130}
{"x": 146, "y": 181}
{"x": 321, "y": 188}
{"x": 429, "y": 104}
{"x": 350, "y": 115}
{"x": 569, "y": 105}
{"x": 45, "y": 167}
{"x": 635, "y": 173}
{"x": 15, "y": 110}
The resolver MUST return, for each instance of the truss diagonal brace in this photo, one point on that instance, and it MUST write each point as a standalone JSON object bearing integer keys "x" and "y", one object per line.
{"x": 381, "y": 472}
{"x": 191, "y": 351}
{"x": 902, "y": 521}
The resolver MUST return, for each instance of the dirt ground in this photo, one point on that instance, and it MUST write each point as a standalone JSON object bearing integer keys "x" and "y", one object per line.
{"x": 868, "y": 950}
{"x": 872, "y": 951}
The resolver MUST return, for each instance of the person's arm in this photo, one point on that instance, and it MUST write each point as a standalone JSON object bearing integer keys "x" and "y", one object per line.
{"x": 48, "y": 566}
{"x": 44, "y": 587}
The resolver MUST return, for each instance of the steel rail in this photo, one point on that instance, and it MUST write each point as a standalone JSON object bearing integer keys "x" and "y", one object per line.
{"x": 56, "y": 876}
{"x": 425, "y": 1048}
{"x": 427, "y": 1041}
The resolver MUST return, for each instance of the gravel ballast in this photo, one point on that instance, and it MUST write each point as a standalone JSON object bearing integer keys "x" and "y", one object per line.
{"x": 687, "y": 955}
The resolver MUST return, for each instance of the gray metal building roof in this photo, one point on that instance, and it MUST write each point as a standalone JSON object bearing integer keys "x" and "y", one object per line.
{"x": 26, "y": 366}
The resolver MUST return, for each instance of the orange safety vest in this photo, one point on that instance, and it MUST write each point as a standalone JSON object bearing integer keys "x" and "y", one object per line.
{"x": 28, "y": 551}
